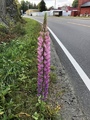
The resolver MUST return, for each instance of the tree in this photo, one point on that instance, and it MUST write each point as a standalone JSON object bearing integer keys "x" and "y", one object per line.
{"x": 27, "y": 5}
{"x": 35, "y": 6}
{"x": 75, "y": 3}
{"x": 24, "y": 6}
{"x": 42, "y": 6}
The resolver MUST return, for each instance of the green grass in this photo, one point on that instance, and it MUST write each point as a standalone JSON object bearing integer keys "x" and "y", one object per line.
{"x": 18, "y": 74}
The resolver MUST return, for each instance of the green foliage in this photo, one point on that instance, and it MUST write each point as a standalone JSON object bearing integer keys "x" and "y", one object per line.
{"x": 45, "y": 111}
{"x": 18, "y": 15}
{"x": 18, "y": 29}
{"x": 53, "y": 68}
{"x": 14, "y": 30}
{"x": 53, "y": 77}
{"x": 24, "y": 6}
{"x": 18, "y": 75}
{"x": 32, "y": 6}
{"x": 42, "y": 6}
{"x": 3, "y": 29}
{"x": 40, "y": 111}
{"x": 75, "y": 3}
{"x": 53, "y": 111}
{"x": 27, "y": 5}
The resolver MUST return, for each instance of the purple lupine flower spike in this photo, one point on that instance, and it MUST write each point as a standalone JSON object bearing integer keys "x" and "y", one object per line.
{"x": 43, "y": 61}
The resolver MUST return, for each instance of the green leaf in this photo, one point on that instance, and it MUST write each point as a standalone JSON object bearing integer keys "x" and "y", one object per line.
{"x": 35, "y": 116}
{"x": 7, "y": 90}
{"x": 1, "y": 113}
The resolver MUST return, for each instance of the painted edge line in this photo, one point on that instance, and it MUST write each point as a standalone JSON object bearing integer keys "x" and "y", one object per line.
{"x": 77, "y": 67}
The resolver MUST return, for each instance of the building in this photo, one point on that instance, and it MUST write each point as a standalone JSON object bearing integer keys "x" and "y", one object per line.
{"x": 31, "y": 11}
{"x": 67, "y": 8}
{"x": 84, "y": 7}
{"x": 71, "y": 11}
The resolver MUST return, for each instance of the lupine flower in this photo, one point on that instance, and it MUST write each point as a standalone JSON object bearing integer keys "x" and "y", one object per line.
{"x": 43, "y": 61}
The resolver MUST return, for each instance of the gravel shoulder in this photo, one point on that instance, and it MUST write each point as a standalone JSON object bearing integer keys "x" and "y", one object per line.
{"x": 63, "y": 92}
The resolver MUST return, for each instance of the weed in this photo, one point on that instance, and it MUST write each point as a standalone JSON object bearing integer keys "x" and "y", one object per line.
{"x": 18, "y": 29}
{"x": 53, "y": 77}
{"x": 3, "y": 29}
{"x": 44, "y": 111}
{"x": 53, "y": 68}
{"x": 13, "y": 31}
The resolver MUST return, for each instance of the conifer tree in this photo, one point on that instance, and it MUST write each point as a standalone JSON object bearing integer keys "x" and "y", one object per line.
{"x": 42, "y": 6}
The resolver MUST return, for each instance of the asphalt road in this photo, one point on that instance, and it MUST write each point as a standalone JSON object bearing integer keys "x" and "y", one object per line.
{"x": 75, "y": 37}
{"x": 74, "y": 33}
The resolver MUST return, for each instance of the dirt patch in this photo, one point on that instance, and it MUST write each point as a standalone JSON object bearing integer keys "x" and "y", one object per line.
{"x": 63, "y": 93}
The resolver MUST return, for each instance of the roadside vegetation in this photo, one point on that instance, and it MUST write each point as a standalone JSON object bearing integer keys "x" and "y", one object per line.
{"x": 18, "y": 74}
{"x": 75, "y": 3}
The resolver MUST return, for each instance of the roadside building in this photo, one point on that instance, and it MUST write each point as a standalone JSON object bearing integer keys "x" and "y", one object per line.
{"x": 84, "y": 7}
{"x": 31, "y": 11}
{"x": 73, "y": 11}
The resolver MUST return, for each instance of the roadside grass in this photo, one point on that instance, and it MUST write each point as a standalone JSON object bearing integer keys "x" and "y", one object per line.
{"x": 11, "y": 31}
{"x": 18, "y": 77}
{"x": 18, "y": 73}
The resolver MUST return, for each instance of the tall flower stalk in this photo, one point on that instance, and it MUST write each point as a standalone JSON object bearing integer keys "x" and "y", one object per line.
{"x": 43, "y": 60}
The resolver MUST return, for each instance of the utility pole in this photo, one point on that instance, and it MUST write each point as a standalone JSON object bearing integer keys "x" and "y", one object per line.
{"x": 55, "y": 3}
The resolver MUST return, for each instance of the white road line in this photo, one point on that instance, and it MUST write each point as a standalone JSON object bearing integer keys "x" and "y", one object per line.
{"x": 77, "y": 67}
{"x": 80, "y": 71}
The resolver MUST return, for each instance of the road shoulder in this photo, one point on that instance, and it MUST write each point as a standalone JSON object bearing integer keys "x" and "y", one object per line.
{"x": 63, "y": 91}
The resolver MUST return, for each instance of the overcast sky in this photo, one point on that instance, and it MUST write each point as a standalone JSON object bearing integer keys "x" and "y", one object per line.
{"x": 50, "y": 3}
